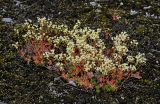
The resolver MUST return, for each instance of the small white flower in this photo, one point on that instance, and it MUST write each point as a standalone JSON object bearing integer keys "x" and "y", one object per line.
{"x": 140, "y": 59}
{"x": 46, "y": 54}
{"x": 124, "y": 66}
{"x": 16, "y": 45}
{"x": 57, "y": 64}
{"x": 52, "y": 51}
{"x": 130, "y": 59}
{"x": 116, "y": 56}
{"x": 122, "y": 49}
{"x": 132, "y": 67}
{"x": 134, "y": 42}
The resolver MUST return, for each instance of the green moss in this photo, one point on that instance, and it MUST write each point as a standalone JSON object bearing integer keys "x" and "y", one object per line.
{"x": 140, "y": 29}
{"x": 97, "y": 89}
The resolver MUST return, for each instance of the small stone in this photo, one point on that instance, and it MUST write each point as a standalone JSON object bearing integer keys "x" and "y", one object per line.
{"x": 93, "y": 4}
{"x": 148, "y": 14}
{"x": 99, "y": 6}
{"x": 59, "y": 12}
{"x": 148, "y": 7}
{"x": 8, "y": 20}
{"x": 41, "y": 97}
{"x": 121, "y": 3}
{"x": 157, "y": 62}
{"x": 55, "y": 79}
{"x": 122, "y": 97}
{"x": 98, "y": 10}
{"x": 17, "y": 2}
{"x": 152, "y": 15}
{"x": 2, "y": 102}
{"x": 133, "y": 12}
{"x": 50, "y": 84}
{"x": 72, "y": 83}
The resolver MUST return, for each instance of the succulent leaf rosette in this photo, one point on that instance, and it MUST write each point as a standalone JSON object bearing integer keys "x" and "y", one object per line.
{"x": 81, "y": 55}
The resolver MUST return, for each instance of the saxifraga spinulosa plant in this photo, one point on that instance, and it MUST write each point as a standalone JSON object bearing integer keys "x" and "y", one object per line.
{"x": 81, "y": 55}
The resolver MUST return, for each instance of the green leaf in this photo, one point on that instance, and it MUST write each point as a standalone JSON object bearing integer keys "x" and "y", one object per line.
{"x": 97, "y": 89}
{"x": 108, "y": 88}
{"x": 118, "y": 82}
{"x": 71, "y": 67}
{"x": 69, "y": 75}
{"x": 93, "y": 80}
{"x": 45, "y": 61}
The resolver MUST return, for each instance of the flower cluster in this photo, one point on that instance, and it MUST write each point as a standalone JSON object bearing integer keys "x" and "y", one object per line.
{"x": 80, "y": 53}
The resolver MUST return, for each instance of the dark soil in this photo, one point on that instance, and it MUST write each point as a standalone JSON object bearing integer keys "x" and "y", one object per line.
{"x": 23, "y": 83}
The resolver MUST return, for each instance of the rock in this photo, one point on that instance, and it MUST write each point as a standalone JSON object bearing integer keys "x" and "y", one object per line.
{"x": 2, "y": 103}
{"x": 148, "y": 7}
{"x": 101, "y": 0}
{"x": 121, "y": 3}
{"x": 156, "y": 51}
{"x": 57, "y": 78}
{"x": 72, "y": 83}
{"x": 7, "y": 20}
{"x": 17, "y": 2}
{"x": 133, "y": 12}
{"x": 93, "y": 4}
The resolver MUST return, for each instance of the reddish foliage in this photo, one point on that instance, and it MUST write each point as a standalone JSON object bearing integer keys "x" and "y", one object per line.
{"x": 77, "y": 68}
{"x": 36, "y": 59}
{"x": 106, "y": 34}
{"x": 136, "y": 75}
{"x": 76, "y": 51}
{"x": 112, "y": 83}
{"x": 49, "y": 62}
{"x": 64, "y": 75}
{"x": 36, "y": 49}
{"x": 108, "y": 52}
{"x": 21, "y": 53}
{"x": 84, "y": 81}
{"x": 101, "y": 85}
{"x": 102, "y": 79}
{"x": 115, "y": 18}
{"x": 119, "y": 74}
{"x": 26, "y": 58}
